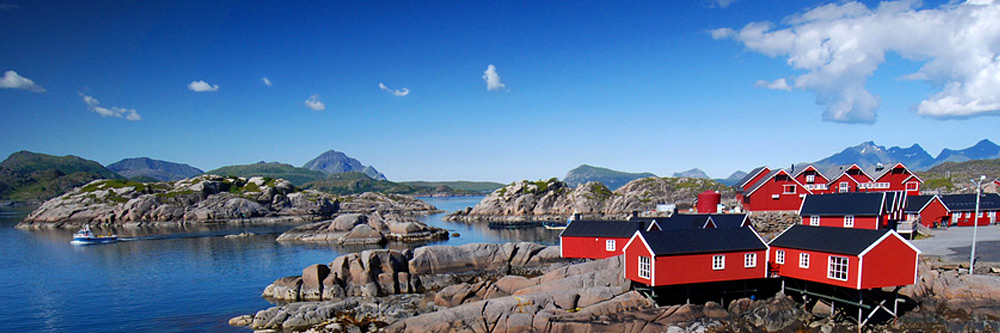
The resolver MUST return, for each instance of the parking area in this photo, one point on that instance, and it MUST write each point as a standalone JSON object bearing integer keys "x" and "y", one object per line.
{"x": 955, "y": 243}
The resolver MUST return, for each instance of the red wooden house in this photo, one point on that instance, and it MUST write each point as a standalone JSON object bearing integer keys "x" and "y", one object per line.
{"x": 961, "y": 208}
{"x": 895, "y": 178}
{"x": 776, "y": 191}
{"x": 927, "y": 209}
{"x": 812, "y": 179}
{"x": 862, "y": 210}
{"x": 597, "y": 239}
{"x": 851, "y": 258}
{"x": 675, "y": 257}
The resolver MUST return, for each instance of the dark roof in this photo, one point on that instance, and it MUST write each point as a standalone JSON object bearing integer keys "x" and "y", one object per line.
{"x": 852, "y": 203}
{"x": 728, "y": 221}
{"x": 799, "y": 169}
{"x": 668, "y": 242}
{"x": 826, "y": 239}
{"x": 894, "y": 201}
{"x": 594, "y": 228}
{"x": 915, "y": 203}
{"x": 740, "y": 185}
{"x": 967, "y": 202}
{"x": 693, "y": 221}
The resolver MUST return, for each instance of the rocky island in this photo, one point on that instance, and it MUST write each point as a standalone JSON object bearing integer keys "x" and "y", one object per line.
{"x": 207, "y": 199}
{"x": 552, "y": 199}
{"x": 365, "y": 229}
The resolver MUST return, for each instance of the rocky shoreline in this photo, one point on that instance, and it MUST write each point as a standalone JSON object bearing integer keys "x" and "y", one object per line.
{"x": 207, "y": 199}
{"x": 516, "y": 287}
{"x": 364, "y": 229}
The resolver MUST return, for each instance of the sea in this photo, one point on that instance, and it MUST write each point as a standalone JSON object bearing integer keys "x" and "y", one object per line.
{"x": 172, "y": 280}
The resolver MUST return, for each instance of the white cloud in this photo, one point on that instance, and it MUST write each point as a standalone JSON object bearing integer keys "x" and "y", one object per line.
{"x": 315, "y": 104}
{"x": 202, "y": 86}
{"x": 397, "y": 92}
{"x": 12, "y": 80}
{"x": 779, "y": 84}
{"x": 839, "y": 46}
{"x": 265, "y": 81}
{"x": 492, "y": 78}
{"x": 722, "y": 3}
{"x": 94, "y": 105}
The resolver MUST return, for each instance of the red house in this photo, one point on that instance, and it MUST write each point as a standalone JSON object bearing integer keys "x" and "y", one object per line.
{"x": 850, "y": 258}
{"x": 661, "y": 258}
{"x": 776, "y": 191}
{"x": 862, "y": 210}
{"x": 812, "y": 179}
{"x": 895, "y": 178}
{"x": 961, "y": 208}
{"x": 928, "y": 209}
{"x": 598, "y": 239}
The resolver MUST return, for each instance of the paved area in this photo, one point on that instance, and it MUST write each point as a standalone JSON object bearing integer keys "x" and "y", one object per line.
{"x": 955, "y": 243}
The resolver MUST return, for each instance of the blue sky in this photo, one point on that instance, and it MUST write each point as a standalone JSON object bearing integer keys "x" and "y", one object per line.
{"x": 658, "y": 86}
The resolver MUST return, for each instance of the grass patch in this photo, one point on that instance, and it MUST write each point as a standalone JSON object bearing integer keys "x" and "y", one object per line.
{"x": 113, "y": 183}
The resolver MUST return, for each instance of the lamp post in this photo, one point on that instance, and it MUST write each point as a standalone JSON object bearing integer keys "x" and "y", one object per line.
{"x": 975, "y": 225}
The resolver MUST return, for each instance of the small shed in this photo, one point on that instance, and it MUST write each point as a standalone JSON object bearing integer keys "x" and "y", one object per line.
{"x": 850, "y": 258}
{"x": 927, "y": 209}
{"x": 675, "y": 257}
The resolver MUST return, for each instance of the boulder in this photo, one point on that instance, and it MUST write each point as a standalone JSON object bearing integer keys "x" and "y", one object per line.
{"x": 347, "y": 222}
{"x": 312, "y": 282}
{"x": 362, "y": 234}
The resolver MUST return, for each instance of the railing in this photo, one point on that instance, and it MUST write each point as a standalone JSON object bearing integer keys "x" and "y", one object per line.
{"x": 907, "y": 227}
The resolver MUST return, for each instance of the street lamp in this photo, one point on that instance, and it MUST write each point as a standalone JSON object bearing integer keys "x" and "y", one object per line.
{"x": 975, "y": 224}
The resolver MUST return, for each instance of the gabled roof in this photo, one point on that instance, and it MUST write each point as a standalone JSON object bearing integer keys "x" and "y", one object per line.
{"x": 829, "y": 240}
{"x": 768, "y": 177}
{"x": 967, "y": 202}
{"x": 595, "y": 228}
{"x": 851, "y": 203}
{"x": 742, "y": 184}
{"x": 695, "y": 241}
{"x": 916, "y": 203}
{"x": 807, "y": 167}
{"x": 839, "y": 170}
{"x": 695, "y": 221}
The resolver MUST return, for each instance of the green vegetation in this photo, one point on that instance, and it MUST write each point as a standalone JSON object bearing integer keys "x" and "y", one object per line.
{"x": 611, "y": 178}
{"x": 113, "y": 183}
{"x": 26, "y": 162}
{"x": 479, "y": 187}
{"x": 357, "y": 182}
{"x": 144, "y": 179}
{"x": 298, "y": 176}
{"x": 32, "y": 178}
{"x": 949, "y": 176}
{"x": 939, "y": 183}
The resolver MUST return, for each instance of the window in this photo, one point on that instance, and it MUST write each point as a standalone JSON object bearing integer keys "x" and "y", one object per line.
{"x": 609, "y": 245}
{"x": 968, "y": 214}
{"x": 804, "y": 260}
{"x": 912, "y": 186}
{"x": 849, "y": 221}
{"x": 837, "y": 268}
{"x": 750, "y": 260}
{"x": 718, "y": 262}
{"x": 810, "y": 178}
{"x": 644, "y": 267}
{"x": 992, "y": 214}
{"x": 789, "y": 189}
{"x": 779, "y": 257}
{"x": 980, "y": 215}
{"x": 844, "y": 188}
{"x": 954, "y": 218}
{"x": 814, "y": 220}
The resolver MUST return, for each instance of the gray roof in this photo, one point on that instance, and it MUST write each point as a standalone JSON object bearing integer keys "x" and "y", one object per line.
{"x": 764, "y": 180}
{"x": 740, "y": 185}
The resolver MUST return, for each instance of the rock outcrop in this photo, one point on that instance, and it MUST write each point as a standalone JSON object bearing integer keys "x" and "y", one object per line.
{"x": 554, "y": 200}
{"x": 205, "y": 198}
{"x": 365, "y": 229}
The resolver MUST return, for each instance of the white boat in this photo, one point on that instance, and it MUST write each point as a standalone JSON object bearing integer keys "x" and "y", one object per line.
{"x": 86, "y": 236}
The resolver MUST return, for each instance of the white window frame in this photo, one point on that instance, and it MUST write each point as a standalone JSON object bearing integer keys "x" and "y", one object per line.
{"x": 849, "y": 221}
{"x": 838, "y": 268}
{"x": 915, "y": 187}
{"x": 803, "y": 260}
{"x": 980, "y": 214}
{"x": 810, "y": 178}
{"x": 968, "y": 215}
{"x": 955, "y": 217}
{"x": 814, "y": 220}
{"x": 750, "y": 260}
{"x": 644, "y": 267}
{"x": 779, "y": 257}
{"x": 718, "y": 262}
{"x": 992, "y": 214}
{"x": 609, "y": 245}
{"x": 784, "y": 189}
{"x": 844, "y": 187}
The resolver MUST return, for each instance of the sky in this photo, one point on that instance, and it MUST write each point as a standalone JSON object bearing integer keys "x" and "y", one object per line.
{"x": 497, "y": 91}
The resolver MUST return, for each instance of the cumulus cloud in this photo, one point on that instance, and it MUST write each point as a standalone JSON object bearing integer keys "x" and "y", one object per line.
{"x": 94, "y": 105}
{"x": 397, "y": 92}
{"x": 839, "y": 46}
{"x": 265, "y": 81}
{"x": 202, "y": 86}
{"x": 315, "y": 104}
{"x": 492, "y": 78}
{"x": 11, "y": 80}
{"x": 779, "y": 84}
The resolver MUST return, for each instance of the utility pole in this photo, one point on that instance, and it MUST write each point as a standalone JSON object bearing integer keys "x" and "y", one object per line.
{"x": 975, "y": 225}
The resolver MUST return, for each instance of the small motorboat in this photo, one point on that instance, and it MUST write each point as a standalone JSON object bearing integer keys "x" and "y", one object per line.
{"x": 86, "y": 236}
{"x": 555, "y": 225}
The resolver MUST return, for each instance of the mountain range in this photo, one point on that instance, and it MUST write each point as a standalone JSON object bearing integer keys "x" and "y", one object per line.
{"x": 915, "y": 157}
{"x": 31, "y": 178}
{"x": 611, "y": 178}
{"x": 693, "y": 173}
{"x": 156, "y": 170}
{"x": 333, "y": 161}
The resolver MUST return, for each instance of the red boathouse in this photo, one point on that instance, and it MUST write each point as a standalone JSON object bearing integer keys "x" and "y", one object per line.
{"x": 676, "y": 257}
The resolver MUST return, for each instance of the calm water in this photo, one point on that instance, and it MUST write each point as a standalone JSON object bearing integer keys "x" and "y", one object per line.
{"x": 194, "y": 280}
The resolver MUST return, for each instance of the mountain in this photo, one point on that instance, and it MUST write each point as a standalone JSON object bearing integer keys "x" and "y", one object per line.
{"x": 983, "y": 150}
{"x": 949, "y": 176}
{"x": 915, "y": 157}
{"x": 31, "y": 178}
{"x": 478, "y": 187}
{"x": 334, "y": 161}
{"x": 733, "y": 178}
{"x": 354, "y": 182}
{"x": 693, "y": 173}
{"x": 610, "y": 178}
{"x": 163, "y": 171}
{"x": 297, "y": 176}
